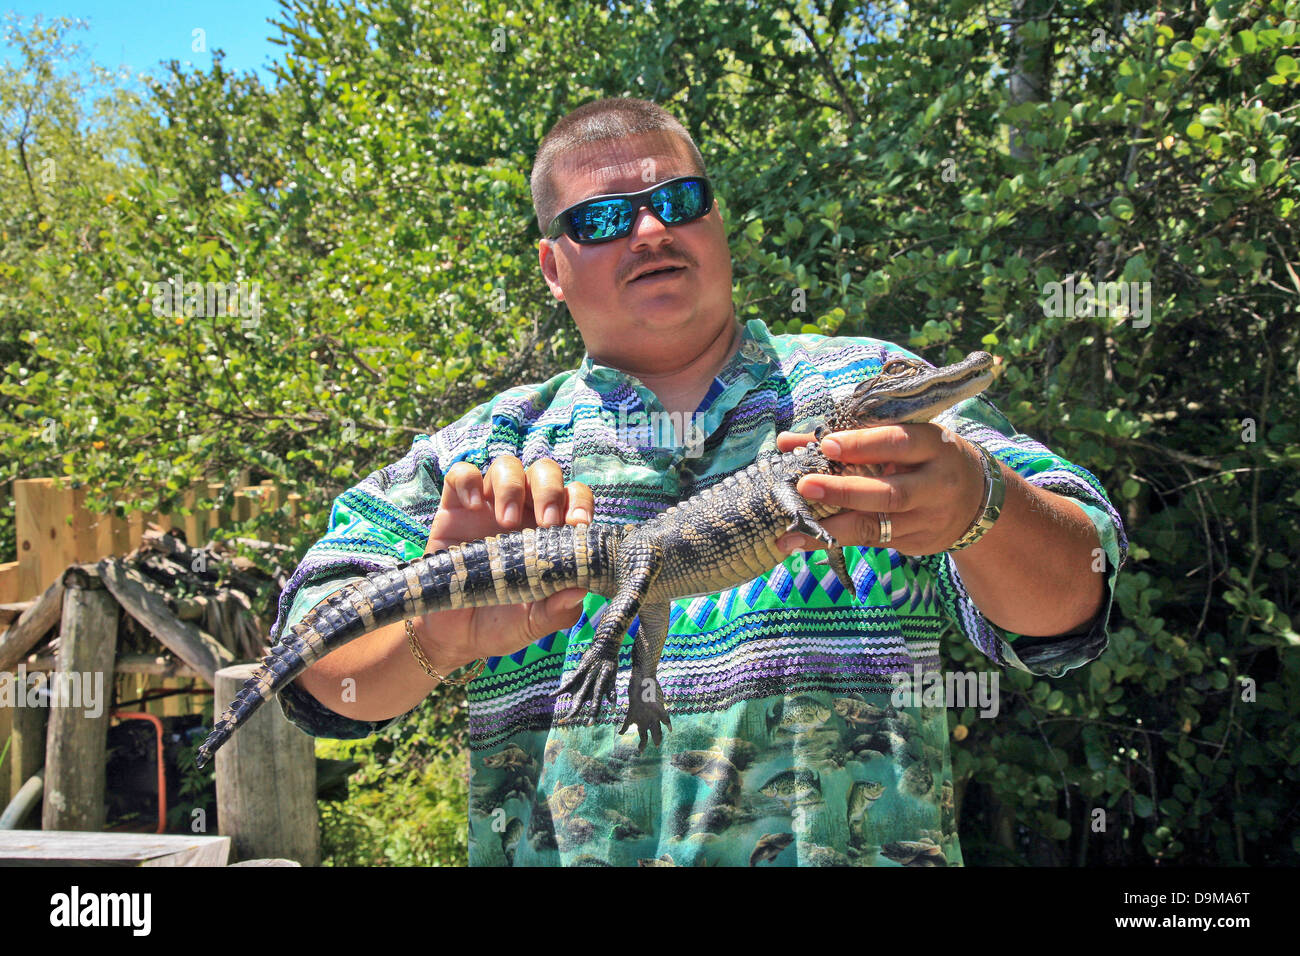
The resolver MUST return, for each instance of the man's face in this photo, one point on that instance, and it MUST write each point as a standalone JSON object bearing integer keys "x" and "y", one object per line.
{"x": 639, "y": 323}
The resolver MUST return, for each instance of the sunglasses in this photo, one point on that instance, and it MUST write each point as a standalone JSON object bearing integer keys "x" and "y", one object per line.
{"x": 604, "y": 218}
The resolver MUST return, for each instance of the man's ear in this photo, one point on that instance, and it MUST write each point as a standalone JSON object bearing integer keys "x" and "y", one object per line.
{"x": 550, "y": 270}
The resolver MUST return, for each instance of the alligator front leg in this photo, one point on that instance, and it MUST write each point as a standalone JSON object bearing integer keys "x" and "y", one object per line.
{"x": 645, "y": 697}
{"x": 593, "y": 680}
{"x": 803, "y": 521}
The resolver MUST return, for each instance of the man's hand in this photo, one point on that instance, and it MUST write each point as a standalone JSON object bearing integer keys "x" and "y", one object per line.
{"x": 931, "y": 489}
{"x": 475, "y": 506}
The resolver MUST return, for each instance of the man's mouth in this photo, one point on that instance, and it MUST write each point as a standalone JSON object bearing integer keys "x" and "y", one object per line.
{"x": 659, "y": 272}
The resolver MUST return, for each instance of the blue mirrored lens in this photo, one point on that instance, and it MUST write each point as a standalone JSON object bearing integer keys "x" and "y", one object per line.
{"x": 679, "y": 202}
{"x": 604, "y": 220}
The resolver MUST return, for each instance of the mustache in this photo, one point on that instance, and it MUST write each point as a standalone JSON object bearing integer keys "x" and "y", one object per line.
{"x": 676, "y": 259}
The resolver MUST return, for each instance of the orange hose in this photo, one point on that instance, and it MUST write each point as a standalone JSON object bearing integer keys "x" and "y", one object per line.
{"x": 162, "y": 769}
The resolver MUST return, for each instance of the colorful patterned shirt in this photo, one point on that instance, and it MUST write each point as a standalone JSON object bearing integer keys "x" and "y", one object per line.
{"x": 791, "y": 742}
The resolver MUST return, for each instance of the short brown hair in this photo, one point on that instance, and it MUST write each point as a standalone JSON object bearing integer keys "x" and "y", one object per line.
{"x": 612, "y": 118}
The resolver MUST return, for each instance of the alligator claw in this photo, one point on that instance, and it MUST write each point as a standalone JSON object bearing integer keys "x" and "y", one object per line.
{"x": 812, "y": 529}
{"x": 646, "y": 709}
{"x": 593, "y": 680}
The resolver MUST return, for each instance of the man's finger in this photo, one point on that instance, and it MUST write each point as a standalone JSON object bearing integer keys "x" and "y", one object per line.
{"x": 788, "y": 441}
{"x": 557, "y": 612}
{"x": 906, "y": 444}
{"x": 546, "y": 492}
{"x": 895, "y": 494}
{"x": 505, "y": 486}
{"x": 580, "y": 503}
{"x": 462, "y": 486}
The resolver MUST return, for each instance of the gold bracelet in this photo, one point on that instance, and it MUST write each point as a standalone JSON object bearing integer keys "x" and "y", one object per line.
{"x": 995, "y": 492}
{"x": 429, "y": 668}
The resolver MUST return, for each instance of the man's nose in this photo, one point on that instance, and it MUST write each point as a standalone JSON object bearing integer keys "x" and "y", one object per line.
{"x": 647, "y": 229}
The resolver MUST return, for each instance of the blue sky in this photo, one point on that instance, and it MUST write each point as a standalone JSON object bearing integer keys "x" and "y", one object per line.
{"x": 139, "y": 34}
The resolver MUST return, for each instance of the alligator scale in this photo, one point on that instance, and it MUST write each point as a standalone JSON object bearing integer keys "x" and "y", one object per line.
{"x": 717, "y": 539}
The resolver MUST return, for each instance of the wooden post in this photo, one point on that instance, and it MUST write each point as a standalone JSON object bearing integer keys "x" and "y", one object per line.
{"x": 27, "y": 747}
{"x": 77, "y": 740}
{"x": 266, "y": 781}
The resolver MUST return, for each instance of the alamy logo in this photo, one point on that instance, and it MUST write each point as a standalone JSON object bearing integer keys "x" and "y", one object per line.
{"x": 175, "y": 297}
{"x": 946, "y": 689}
{"x": 1119, "y": 300}
{"x": 102, "y": 909}
{"x": 84, "y": 689}
{"x": 662, "y": 430}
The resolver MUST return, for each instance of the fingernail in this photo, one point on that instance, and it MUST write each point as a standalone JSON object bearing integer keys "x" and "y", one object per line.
{"x": 510, "y": 515}
{"x": 475, "y": 499}
{"x": 580, "y": 515}
{"x": 572, "y": 602}
{"x": 830, "y": 448}
{"x": 551, "y": 516}
{"x": 814, "y": 492}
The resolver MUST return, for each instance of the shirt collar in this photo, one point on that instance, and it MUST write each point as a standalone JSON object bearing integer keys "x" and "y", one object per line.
{"x": 755, "y": 356}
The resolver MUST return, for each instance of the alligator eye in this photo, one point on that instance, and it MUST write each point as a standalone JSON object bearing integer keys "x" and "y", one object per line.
{"x": 896, "y": 367}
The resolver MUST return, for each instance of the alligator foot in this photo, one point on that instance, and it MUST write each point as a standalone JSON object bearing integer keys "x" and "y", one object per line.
{"x": 806, "y": 524}
{"x": 803, "y": 521}
{"x": 594, "y": 678}
{"x": 646, "y": 709}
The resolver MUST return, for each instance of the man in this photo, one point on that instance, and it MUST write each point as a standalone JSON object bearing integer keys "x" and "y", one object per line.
{"x": 788, "y": 744}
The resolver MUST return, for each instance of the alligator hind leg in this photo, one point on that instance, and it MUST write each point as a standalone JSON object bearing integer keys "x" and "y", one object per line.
{"x": 593, "y": 680}
{"x": 645, "y": 697}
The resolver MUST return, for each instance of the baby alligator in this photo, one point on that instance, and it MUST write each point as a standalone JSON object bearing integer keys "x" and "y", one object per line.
{"x": 717, "y": 539}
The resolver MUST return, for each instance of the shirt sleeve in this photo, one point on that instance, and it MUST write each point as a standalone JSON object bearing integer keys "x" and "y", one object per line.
{"x": 978, "y": 420}
{"x": 374, "y": 525}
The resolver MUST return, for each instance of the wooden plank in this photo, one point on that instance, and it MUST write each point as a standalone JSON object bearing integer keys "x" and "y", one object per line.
{"x": 96, "y": 535}
{"x": 77, "y": 740}
{"x": 9, "y": 582}
{"x": 11, "y": 611}
{"x": 266, "y": 782}
{"x": 268, "y": 863}
{"x": 216, "y": 518}
{"x": 46, "y": 544}
{"x": 32, "y": 625}
{"x": 197, "y": 649}
{"x": 70, "y": 848}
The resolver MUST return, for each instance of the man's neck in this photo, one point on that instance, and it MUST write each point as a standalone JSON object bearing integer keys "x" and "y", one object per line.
{"x": 681, "y": 389}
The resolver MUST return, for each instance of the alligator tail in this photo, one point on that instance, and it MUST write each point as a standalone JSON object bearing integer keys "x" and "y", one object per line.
{"x": 513, "y": 568}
